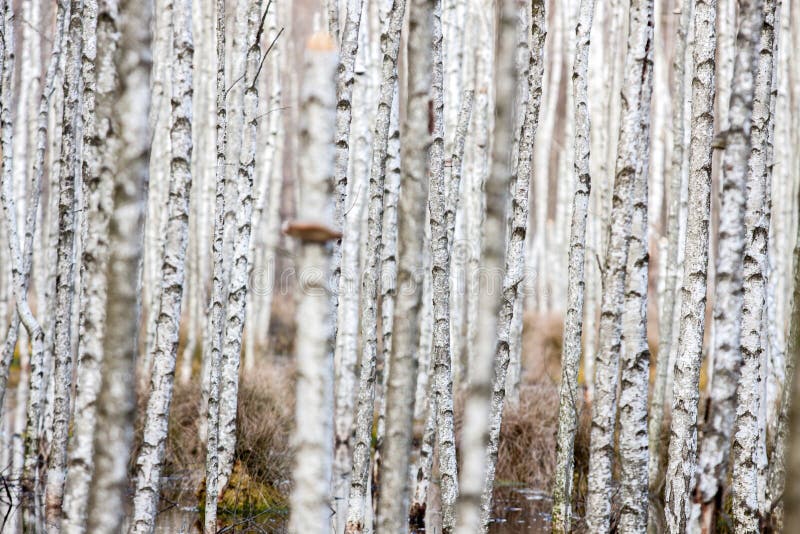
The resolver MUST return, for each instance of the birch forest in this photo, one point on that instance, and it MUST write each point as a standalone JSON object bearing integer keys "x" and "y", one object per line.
{"x": 399, "y": 266}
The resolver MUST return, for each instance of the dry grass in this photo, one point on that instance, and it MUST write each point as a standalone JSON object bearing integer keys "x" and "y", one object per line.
{"x": 263, "y": 457}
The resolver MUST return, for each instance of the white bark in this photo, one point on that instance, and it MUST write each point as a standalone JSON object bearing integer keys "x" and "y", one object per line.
{"x": 35, "y": 388}
{"x": 267, "y": 201}
{"x": 345, "y": 79}
{"x": 151, "y": 456}
{"x": 158, "y": 184}
{"x": 20, "y": 260}
{"x": 131, "y": 144}
{"x": 424, "y": 81}
{"x": 749, "y": 492}
{"x": 514, "y": 266}
{"x": 636, "y": 89}
{"x": 99, "y": 87}
{"x": 635, "y": 359}
{"x": 346, "y": 351}
{"x": 313, "y": 437}
{"x": 63, "y": 360}
{"x": 213, "y": 346}
{"x": 728, "y": 304}
{"x": 237, "y": 290}
{"x": 388, "y": 288}
{"x": 390, "y": 46}
{"x": 478, "y": 380}
{"x": 441, "y": 357}
{"x": 666, "y": 311}
{"x": 683, "y": 428}
{"x": 573, "y": 322}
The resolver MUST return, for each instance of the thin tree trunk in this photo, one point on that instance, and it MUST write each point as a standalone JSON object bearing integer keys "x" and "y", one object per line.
{"x": 573, "y": 321}
{"x": 151, "y": 457}
{"x": 237, "y": 290}
{"x": 388, "y": 288}
{"x": 683, "y": 428}
{"x": 62, "y": 370}
{"x": 783, "y": 455}
{"x": 345, "y": 274}
{"x": 390, "y": 46}
{"x": 514, "y": 268}
{"x": 131, "y": 145}
{"x": 728, "y": 305}
{"x": 20, "y": 260}
{"x": 213, "y": 347}
{"x": 313, "y": 437}
{"x": 37, "y": 386}
{"x": 99, "y": 93}
{"x": 748, "y": 490}
{"x": 345, "y": 79}
{"x": 666, "y": 311}
{"x": 441, "y": 357}
{"x": 415, "y": 168}
{"x": 636, "y": 90}
{"x": 635, "y": 358}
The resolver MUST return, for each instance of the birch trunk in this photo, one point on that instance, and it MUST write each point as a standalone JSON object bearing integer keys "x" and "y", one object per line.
{"x": 346, "y": 309}
{"x": 478, "y": 383}
{"x": 748, "y": 490}
{"x": 424, "y": 27}
{"x": 345, "y": 79}
{"x": 128, "y": 22}
{"x": 728, "y": 305}
{"x": 666, "y": 311}
{"x": 237, "y": 290}
{"x": 151, "y": 457}
{"x": 313, "y": 437}
{"x": 388, "y": 288}
{"x": 683, "y": 428}
{"x": 514, "y": 268}
{"x": 783, "y": 456}
{"x": 390, "y": 46}
{"x": 20, "y": 260}
{"x": 441, "y": 357}
{"x": 573, "y": 321}
{"x": 213, "y": 346}
{"x": 635, "y": 359}
{"x": 35, "y": 388}
{"x": 62, "y": 369}
{"x": 636, "y": 90}
{"x": 158, "y": 184}
{"x": 99, "y": 93}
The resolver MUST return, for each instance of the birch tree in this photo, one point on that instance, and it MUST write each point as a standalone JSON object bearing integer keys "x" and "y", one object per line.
{"x": 62, "y": 368}
{"x": 758, "y": 23}
{"x": 237, "y": 290}
{"x": 573, "y": 321}
{"x": 635, "y": 358}
{"x": 37, "y": 386}
{"x": 514, "y": 268}
{"x": 125, "y": 88}
{"x": 94, "y": 256}
{"x": 717, "y": 433}
{"x": 150, "y": 461}
{"x": 346, "y": 328}
{"x": 636, "y": 89}
{"x": 666, "y": 312}
{"x": 683, "y": 428}
{"x": 441, "y": 357}
{"x": 345, "y": 79}
{"x": 213, "y": 347}
{"x": 313, "y": 437}
{"x": 415, "y": 168}
{"x": 390, "y": 46}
